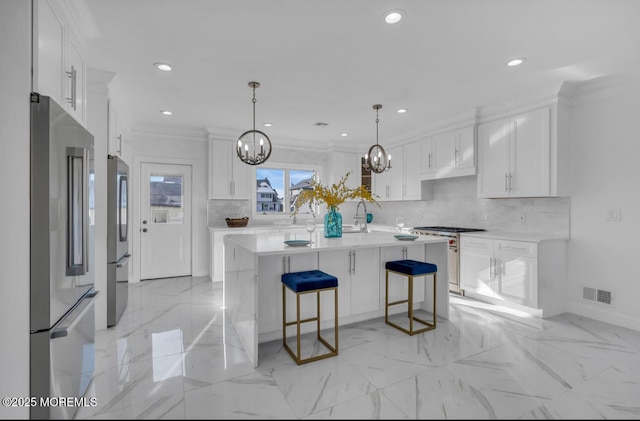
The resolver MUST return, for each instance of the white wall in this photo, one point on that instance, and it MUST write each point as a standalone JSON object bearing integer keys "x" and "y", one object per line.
{"x": 605, "y": 150}
{"x": 15, "y": 74}
{"x": 172, "y": 149}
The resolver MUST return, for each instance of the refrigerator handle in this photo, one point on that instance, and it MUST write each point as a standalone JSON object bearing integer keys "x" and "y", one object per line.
{"x": 77, "y": 211}
{"x": 69, "y": 322}
{"x": 123, "y": 260}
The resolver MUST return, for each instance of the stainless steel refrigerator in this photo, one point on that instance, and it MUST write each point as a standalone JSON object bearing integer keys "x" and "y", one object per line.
{"x": 117, "y": 238}
{"x": 62, "y": 326}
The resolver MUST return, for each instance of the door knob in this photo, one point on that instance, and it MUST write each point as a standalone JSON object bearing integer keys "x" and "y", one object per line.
{"x": 144, "y": 222}
{"x": 144, "y": 230}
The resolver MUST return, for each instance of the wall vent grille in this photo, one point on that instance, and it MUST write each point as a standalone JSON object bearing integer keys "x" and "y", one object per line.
{"x": 598, "y": 295}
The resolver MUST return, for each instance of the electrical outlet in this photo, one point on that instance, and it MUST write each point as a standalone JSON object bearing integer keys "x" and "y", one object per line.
{"x": 523, "y": 217}
{"x": 614, "y": 215}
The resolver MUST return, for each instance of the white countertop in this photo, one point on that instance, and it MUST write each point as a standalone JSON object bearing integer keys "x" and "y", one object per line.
{"x": 505, "y": 235}
{"x": 274, "y": 242}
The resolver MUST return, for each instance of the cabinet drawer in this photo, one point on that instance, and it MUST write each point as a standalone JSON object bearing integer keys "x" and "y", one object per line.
{"x": 477, "y": 244}
{"x": 520, "y": 248}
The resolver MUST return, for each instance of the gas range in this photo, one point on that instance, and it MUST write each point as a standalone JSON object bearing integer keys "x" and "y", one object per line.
{"x": 453, "y": 234}
{"x": 443, "y": 231}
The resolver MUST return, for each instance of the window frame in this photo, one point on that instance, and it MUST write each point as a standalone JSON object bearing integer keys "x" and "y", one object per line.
{"x": 286, "y": 167}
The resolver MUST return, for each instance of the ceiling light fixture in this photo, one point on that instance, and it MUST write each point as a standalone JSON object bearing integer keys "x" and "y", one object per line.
{"x": 267, "y": 124}
{"x": 165, "y": 67}
{"x": 393, "y": 16}
{"x": 516, "y": 61}
{"x": 377, "y": 160}
{"x": 402, "y": 110}
{"x": 166, "y": 112}
{"x": 344, "y": 134}
{"x": 247, "y": 148}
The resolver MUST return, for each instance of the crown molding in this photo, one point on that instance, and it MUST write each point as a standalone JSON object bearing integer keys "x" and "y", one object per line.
{"x": 171, "y": 132}
{"x": 577, "y": 93}
{"x": 225, "y": 133}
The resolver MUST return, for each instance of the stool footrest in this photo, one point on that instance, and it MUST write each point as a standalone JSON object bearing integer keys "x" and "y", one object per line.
{"x": 397, "y": 302}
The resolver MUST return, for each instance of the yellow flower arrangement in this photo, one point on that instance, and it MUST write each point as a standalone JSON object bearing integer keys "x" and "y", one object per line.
{"x": 333, "y": 196}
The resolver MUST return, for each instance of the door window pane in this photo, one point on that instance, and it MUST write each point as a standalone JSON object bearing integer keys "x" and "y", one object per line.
{"x": 166, "y": 199}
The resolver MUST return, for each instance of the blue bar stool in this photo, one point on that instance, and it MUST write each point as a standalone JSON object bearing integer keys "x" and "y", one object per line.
{"x": 307, "y": 282}
{"x": 410, "y": 269}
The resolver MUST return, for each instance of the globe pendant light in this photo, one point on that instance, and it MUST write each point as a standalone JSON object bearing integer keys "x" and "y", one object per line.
{"x": 254, "y": 146}
{"x": 377, "y": 160}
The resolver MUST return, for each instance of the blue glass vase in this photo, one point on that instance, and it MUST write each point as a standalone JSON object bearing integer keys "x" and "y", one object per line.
{"x": 332, "y": 223}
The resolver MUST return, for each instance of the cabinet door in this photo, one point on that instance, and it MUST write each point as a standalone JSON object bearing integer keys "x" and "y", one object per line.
{"x": 241, "y": 186}
{"x": 49, "y": 61}
{"x": 444, "y": 152}
{"x": 337, "y": 263}
{"x": 517, "y": 269}
{"x": 76, "y": 73}
{"x": 398, "y": 287}
{"x": 464, "y": 153}
{"x": 411, "y": 166}
{"x": 114, "y": 130}
{"x": 381, "y": 184}
{"x": 396, "y": 174}
{"x": 270, "y": 273}
{"x": 365, "y": 282}
{"x": 221, "y": 154}
{"x": 530, "y": 172}
{"x": 427, "y": 165}
{"x": 493, "y": 158}
{"x": 477, "y": 266}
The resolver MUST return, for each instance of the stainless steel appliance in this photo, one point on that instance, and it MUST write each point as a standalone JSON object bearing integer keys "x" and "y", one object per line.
{"x": 117, "y": 238}
{"x": 62, "y": 327}
{"x": 453, "y": 234}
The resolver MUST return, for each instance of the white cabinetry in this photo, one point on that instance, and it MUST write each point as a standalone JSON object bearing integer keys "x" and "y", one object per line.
{"x": 398, "y": 289}
{"x": 59, "y": 69}
{"x": 271, "y": 270}
{"x": 515, "y": 156}
{"x": 524, "y": 273}
{"x": 115, "y": 129}
{"x": 229, "y": 178}
{"x": 342, "y": 163}
{"x": 449, "y": 154}
{"x": 402, "y": 181}
{"x": 357, "y": 273}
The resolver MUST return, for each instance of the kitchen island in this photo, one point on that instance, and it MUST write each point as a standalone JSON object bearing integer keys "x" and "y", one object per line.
{"x": 254, "y": 264}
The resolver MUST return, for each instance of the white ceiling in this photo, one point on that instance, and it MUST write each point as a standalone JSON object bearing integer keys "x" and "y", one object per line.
{"x": 330, "y": 60}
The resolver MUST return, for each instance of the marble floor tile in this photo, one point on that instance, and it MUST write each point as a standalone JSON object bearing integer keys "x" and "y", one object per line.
{"x": 174, "y": 355}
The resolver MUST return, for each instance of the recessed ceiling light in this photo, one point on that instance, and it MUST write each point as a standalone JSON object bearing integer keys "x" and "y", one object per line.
{"x": 402, "y": 110}
{"x": 166, "y": 112}
{"x": 516, "y": 61}
{"x": 268, "y": 124}
{"x": 165, "y": 67}
{"x": 393, "y": 16}
{"x": 344, "y": 134}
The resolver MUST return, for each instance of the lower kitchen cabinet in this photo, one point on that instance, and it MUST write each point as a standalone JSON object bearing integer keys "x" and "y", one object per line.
{"x": 358, "y": 280}
{"x": 524, "y": 273}
{"x": 271, "y": 270}
{"x": 398, "y": 288}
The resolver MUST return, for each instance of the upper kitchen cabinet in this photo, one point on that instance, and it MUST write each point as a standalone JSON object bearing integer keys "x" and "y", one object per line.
{"x": 402, "y": 181}
{"x": 341, "y": 163}
{"x": 229, "y": 178}
{"x": 519, "y": 155}
{"x": 59, "y": 67}
{"x": 449, "y": 154}
{"x": 115, "y": 128}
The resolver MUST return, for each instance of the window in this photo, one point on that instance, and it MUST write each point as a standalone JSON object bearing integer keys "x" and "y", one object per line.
{"x": 278, "y": 187}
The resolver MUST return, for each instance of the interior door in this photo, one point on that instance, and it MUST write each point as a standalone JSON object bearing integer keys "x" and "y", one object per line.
{"x": 165, "y": 220}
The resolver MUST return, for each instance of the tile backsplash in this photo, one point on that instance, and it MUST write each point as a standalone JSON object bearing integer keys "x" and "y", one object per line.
{"x": 454, "y": 203}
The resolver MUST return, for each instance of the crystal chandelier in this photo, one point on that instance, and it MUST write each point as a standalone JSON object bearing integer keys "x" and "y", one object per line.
{"x": 254, "y": 146}
{"x": 376, "y": 159}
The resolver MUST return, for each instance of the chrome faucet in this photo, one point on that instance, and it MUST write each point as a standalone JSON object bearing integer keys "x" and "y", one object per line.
{"x": 357, "y": 217}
